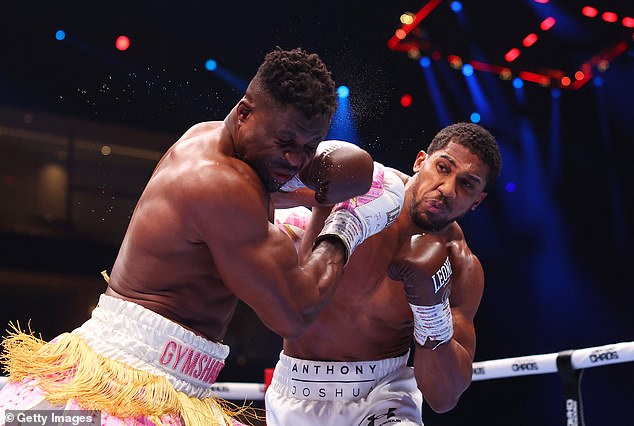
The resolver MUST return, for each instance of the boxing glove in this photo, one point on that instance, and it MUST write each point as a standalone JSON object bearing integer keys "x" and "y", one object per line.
{"x": 293, "y": 222}
{"x": 358, "y": 218}
{"x": 338, "y": 171}
{"x": 423, "y": 266}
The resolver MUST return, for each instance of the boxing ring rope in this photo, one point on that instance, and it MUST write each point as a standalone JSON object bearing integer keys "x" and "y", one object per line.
{"x": 568, "y": 364}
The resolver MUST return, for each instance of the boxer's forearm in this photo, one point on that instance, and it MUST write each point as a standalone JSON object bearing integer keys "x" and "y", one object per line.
{"x": 443, "y": 374}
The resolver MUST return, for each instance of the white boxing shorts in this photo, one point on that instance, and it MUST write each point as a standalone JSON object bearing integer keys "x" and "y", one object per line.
{"x": 127, "y": 332}
{"x": 361, "y": 393}
{"x": 133, "y": 365}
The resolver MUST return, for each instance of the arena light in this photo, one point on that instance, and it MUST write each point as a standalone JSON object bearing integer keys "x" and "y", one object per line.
{"x": 407, "y": 18}
{"x": 551, "y": 69}
{"x": 343, "y": 92}
{"x": 211, "y": 65}
{"x": 424, "y": 62}
{"x": 529, "y": 40}
{"x": 406, "y": 100}
{"x": 512, "y": 54}
{"x": 455, "y": 61}
{"x": 122, "y": 43}
{"x": 609, "y": 17}
{"x": 589, "y": 11}
{"x": 456, "y": 6}
{"x": 547, "y": 23}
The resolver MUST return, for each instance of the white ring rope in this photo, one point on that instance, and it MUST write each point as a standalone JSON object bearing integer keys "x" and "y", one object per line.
{"x": 499, "y": 368}
{"x": 547, "y": 363}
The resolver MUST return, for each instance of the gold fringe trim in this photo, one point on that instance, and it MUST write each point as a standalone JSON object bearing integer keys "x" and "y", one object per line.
{"x": 67, "y": 368}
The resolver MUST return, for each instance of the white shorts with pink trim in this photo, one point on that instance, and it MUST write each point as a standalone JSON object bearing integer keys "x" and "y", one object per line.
{"x": 127, "y": 332}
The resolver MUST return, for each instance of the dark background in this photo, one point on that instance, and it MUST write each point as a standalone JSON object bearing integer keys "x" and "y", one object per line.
{"x": 557, "y": 251}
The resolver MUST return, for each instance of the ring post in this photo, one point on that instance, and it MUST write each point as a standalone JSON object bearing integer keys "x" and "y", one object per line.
{"x": 571, "y": 381}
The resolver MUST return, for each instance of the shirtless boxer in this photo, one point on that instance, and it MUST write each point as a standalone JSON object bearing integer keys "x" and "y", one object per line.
{"x": 200, "y": 239}
{"x": 349, "y": 366}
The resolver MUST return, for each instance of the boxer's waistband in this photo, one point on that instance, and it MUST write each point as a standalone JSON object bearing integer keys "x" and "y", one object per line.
{"x": 331, "y": 380}
{"x": 129, "y": 333}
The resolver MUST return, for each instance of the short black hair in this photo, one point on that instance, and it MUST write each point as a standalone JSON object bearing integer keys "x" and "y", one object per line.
{"x": 476, "y": 139}
{"x": 295, "y": 77}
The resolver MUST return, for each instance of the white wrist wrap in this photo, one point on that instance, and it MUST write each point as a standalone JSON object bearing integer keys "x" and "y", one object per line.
{"x": 347, "y": 227}
{"x": 432, "y": 323}
{"x": 293, "y": 184}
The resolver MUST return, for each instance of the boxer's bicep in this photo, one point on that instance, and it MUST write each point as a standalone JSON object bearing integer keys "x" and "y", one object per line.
{"x": 255, "y": 260}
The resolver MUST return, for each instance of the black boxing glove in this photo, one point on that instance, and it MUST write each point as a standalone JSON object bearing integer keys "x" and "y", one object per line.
{"x": 338, "y": 171}
{"x": 423, "y": 266}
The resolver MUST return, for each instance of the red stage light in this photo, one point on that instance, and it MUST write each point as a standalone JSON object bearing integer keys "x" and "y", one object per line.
{"x": 529, "y": 40}
{"x": 547, "y": 23}
{"x": 610, "y": 17}
{"x": 589, "y": 11}
{"x": 537, "y": 72}
{"x": 512, "y": 54}
{"x": 406, "y": 100}
{"x": 122, "y": 43}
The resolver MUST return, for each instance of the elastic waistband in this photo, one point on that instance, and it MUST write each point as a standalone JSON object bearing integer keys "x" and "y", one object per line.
{"x": 129, "y": 333}
{"x": 329, "y": 381}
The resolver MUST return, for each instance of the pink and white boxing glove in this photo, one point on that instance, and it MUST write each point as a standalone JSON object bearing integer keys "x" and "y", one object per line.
{"x": 358, "y": 218}
{"x": 293, "y": 222}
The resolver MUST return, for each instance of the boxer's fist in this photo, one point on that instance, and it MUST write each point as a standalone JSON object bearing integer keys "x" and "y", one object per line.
{"x": 338, "y": 171}
{"x": 358, "y": 218}
{"x": 423, "y": 266}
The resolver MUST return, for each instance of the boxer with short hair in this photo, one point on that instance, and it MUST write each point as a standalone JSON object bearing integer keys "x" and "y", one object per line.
{"x": 202, "y": 238}
{"x": 418, "y": 278}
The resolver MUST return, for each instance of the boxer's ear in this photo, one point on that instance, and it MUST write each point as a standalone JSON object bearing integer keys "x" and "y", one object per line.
{"x": 244, "y": 109}
{"x": 479, "y": 201}
{"x": 418, "y": 163}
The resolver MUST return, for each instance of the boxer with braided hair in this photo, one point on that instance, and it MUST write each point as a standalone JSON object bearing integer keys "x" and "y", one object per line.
{"x": 200, "y": 239}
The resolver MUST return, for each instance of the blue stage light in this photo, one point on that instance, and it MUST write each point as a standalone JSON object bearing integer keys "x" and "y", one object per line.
{"x": 211, "y": 65}
{"x": 343, "y": 92}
